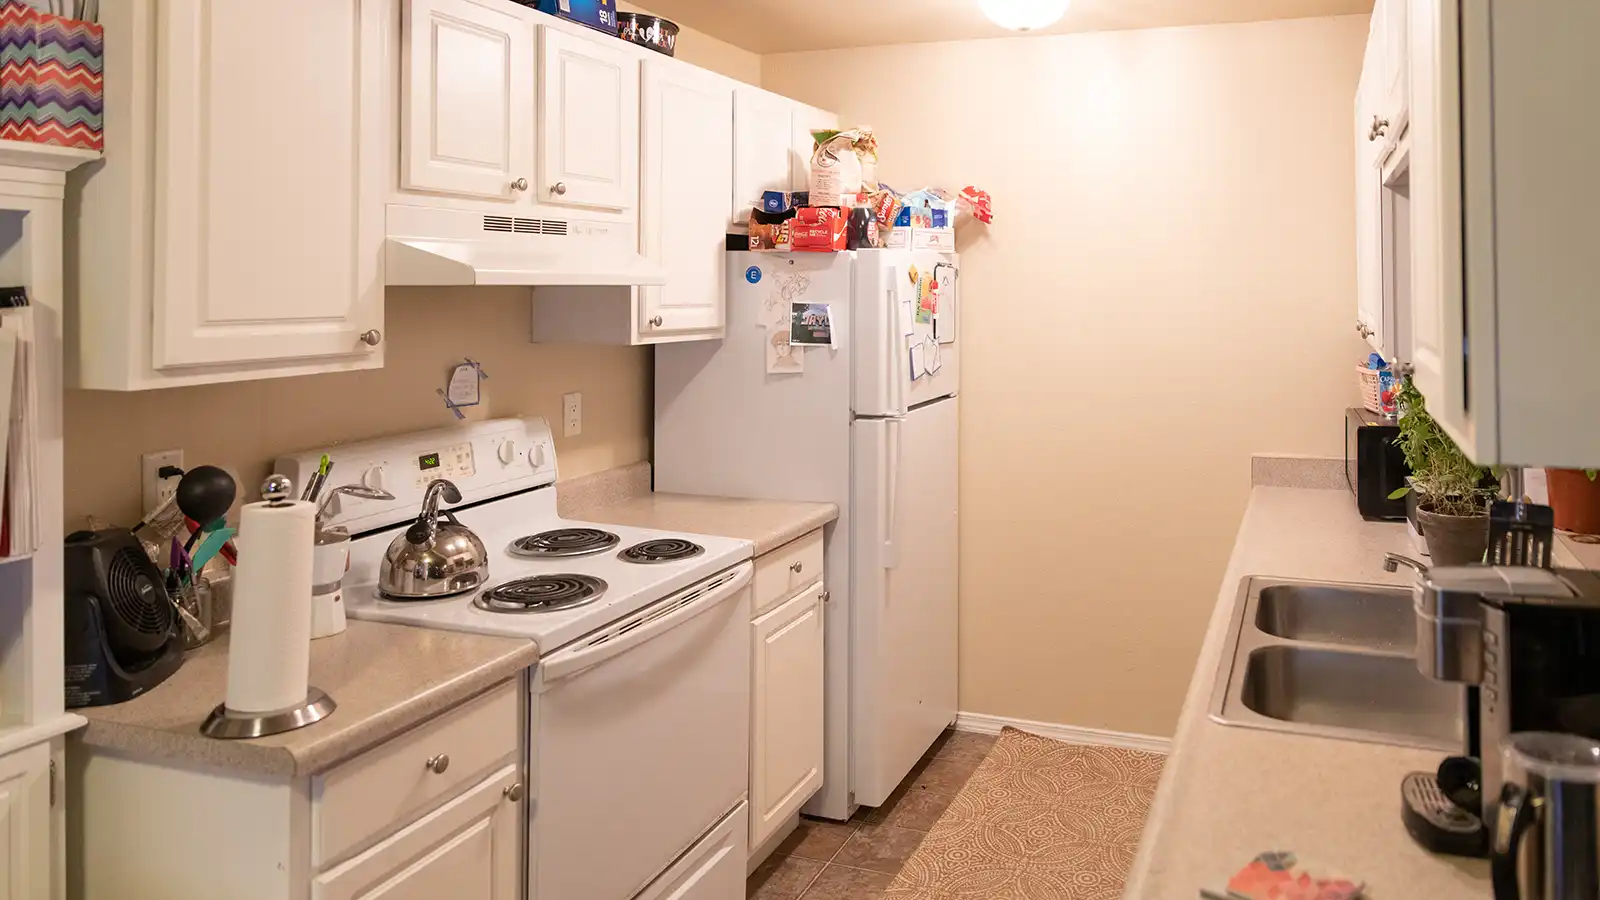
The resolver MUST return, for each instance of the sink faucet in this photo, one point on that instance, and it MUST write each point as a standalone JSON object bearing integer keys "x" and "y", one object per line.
{"x": 1393, "y": 561}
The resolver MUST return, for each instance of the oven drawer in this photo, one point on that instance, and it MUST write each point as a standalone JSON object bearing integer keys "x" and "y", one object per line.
{"x": 787, "y": 570}
{"x": 387, "y": 786}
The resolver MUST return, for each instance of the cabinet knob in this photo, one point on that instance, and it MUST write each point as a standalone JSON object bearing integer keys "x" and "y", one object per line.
{"x": 826, "y": 596}
{"x": 514, "y": 792}
{"x": 655, "y": 322}
{"x": 1379, "y": 128}
{"x": 560, "y": 189}
{"x": 521, "y": 184}
{"x": 438, "y": 764}
{"x": 372, "y": 338}
{"x": 796, "y": 567}
{"x": 1363, "y": 330}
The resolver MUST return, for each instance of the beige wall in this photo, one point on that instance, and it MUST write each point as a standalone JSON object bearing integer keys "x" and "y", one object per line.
{"x": 707, "y": 52}
{"x": 245, "y": 426}
{"x": 1168, "y": 288}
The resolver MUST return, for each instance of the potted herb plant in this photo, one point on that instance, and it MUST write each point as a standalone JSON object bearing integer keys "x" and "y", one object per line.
{"x": 1575, "y": 496}
{"x": 1452, "y": 497}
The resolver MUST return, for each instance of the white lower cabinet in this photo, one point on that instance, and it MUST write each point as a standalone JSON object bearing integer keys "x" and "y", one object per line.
{"x": 467, "y": 849}
{"x": 25, "y": 824}
{"x": 786, "y": 741}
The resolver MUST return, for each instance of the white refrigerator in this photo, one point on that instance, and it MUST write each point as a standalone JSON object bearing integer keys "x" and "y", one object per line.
{"x": 867, "y": 421}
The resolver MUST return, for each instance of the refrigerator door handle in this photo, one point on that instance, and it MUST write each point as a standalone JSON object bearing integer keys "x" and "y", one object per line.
{"x": 891, "y": 553}
{"x": 897, "y": 339}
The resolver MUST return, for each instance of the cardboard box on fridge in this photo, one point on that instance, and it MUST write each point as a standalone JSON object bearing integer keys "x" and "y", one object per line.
{"x": 918, "y": 238}
{"x": 819, "y": 228}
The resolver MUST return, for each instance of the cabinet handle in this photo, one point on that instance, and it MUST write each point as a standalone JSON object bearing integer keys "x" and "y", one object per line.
{"x": 514, "y": 792}
{"x": 438, "y": 764}
{"x": 372, "y": 338}
{"x": 655, "y": 322}
{"x": 796, "y": 567}
{"x": 521, "y": 184}
{"x": 560, "y": 190}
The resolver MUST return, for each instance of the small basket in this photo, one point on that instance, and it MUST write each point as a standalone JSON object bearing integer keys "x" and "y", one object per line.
{"x": 1371, "y": 396}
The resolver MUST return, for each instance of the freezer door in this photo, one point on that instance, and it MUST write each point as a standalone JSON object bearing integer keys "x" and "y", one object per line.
{"x": 905, "y": 356}
{"x": 903, "y": 593}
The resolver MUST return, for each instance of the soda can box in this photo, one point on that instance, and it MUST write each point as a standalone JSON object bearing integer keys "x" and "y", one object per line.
{"x": 598, "y": 14}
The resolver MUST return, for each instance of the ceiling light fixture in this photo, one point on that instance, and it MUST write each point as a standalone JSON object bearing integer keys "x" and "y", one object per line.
{"x": 1024, "y": 15}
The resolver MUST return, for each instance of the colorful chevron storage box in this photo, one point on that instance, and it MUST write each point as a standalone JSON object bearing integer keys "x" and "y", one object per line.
{"x": 51, "y": 88}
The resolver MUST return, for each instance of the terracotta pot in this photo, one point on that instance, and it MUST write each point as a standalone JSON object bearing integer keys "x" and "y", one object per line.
{"x": 1575, "y": 499}
{"x": 1455, "y": 540}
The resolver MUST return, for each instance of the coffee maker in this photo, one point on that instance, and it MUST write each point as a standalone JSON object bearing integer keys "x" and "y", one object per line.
{"x": 1526, "y": 643}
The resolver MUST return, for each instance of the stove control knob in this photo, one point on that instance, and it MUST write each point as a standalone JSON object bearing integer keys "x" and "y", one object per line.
{"x": 536, "y": 456}
{"x": 508, "y": 452}
{"x": 373, "y": 478}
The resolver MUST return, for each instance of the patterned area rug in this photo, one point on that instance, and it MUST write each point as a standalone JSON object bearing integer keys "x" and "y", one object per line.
{"x": 1039, "y": 820}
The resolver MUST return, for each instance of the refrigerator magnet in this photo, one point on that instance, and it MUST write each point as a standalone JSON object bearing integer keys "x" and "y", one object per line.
{"x": 810, "y": 325}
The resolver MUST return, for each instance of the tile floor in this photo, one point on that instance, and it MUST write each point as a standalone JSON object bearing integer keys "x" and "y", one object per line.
{"x": 857, "y": 860}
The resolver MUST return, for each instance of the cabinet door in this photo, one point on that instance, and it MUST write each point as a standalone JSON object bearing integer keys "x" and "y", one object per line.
{"x": 806, "y": 119}
{"x": 1396, "y": 69}
{"x": 590, "y": 123}
{"x": 763, "y": 133}
{"x": 786, "y": 719}
{"x": 467, "y": 100}
{"x": 688, "y": 128}
{"x": 1369, "y": 208}
{"x": 1437, "y": 317}
{"x": 25, "y": 825}
{"x": 268, "y": 181}
{"x": 468, "y": 849}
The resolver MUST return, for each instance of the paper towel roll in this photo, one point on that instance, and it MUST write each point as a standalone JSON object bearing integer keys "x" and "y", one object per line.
{"x": 269, "y": 653}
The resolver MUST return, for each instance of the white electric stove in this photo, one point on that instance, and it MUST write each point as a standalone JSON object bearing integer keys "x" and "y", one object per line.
{"x": 639, "y": 707}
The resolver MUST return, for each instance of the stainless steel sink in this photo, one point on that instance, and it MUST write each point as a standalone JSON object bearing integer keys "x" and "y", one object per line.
{"x": 1376, "y": 618}
{"x": 1333, "y": 660}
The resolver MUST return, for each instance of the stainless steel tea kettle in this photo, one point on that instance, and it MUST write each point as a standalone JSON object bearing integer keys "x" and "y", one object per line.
{"x": 434, "y": 559}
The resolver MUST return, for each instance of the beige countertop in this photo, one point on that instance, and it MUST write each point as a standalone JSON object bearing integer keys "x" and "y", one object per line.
{"x": 384, "y": 678}
{"x": 769, "y": 524}
{"x": 1229, "y": 793}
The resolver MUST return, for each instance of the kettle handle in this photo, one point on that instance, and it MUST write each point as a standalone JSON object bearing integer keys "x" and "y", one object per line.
{"x": 427, "y": 524}
{"x": 1512, "y": 818}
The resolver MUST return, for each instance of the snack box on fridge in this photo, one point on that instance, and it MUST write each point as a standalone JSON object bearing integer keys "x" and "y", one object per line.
{"x": 597, "y": 14}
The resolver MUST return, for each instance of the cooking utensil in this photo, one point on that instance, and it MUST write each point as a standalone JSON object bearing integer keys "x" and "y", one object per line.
{"x": 432, "y": 560}
{"x": 660, "y": 35}
{"x": 1520, "y": 533}
{"x": 205, "y": 494}
{"x": 215, "y": 543}
{"x": 318, "y": 479}
{"x": 360, "y": 492}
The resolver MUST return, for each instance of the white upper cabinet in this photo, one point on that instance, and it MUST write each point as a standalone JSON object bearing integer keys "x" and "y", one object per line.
{"x": 686, "y": 180}
{"x": 1396, "y": 87}
{"x": 589, "y": 113}
{"x": 763, "y": 139}
{"x": 1369, "y": 190}
{"x": 1503, "y": 193}
{"x": 268, "y": 178}
{"x": 467, "y": 98}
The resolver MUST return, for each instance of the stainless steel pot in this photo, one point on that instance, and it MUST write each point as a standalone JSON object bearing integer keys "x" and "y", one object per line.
{"x": 437, "y": 556}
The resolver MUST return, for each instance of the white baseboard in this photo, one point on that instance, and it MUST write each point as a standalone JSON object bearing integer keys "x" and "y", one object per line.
{"x": 1071, "y": 734}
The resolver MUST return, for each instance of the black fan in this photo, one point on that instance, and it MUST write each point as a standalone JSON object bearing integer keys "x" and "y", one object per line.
{"x": 123, "y": 636}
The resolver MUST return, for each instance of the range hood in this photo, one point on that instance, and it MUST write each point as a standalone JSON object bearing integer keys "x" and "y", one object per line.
{"x": 448, "y": 247}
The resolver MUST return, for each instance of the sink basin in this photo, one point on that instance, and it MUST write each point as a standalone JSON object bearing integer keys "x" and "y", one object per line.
{"x": 1373, "y": 617}
{"x": 1352, "y": 692}
{"x": 1332, "y": 660}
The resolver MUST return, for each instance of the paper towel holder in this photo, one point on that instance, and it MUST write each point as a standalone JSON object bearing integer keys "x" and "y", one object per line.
{"x": 226, "y": 724}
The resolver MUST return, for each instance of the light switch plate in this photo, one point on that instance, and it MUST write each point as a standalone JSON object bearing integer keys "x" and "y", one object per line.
{"x": 571, "y": 415}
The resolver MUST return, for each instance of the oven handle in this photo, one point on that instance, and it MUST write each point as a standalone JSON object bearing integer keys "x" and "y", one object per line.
{"x": 587, "y": 655}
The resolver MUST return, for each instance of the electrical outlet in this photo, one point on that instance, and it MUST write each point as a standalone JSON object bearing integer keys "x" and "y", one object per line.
{"x": 571, "y": 415}
{"x": 155, "y": 489}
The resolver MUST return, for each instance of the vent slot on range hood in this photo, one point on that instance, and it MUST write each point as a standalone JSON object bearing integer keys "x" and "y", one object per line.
{"x": 518, "y": 225}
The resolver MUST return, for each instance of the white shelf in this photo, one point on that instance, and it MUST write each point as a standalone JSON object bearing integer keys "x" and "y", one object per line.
{"x": 44, "y": 156}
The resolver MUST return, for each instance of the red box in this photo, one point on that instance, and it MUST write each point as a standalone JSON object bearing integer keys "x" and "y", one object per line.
{"x": 819, "y": 229}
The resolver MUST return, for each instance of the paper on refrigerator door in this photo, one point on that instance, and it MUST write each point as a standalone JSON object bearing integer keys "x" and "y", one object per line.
{"x": 932, "y": 355}
{"x": 917, "y": 354}
{"x": 783, "y": 358}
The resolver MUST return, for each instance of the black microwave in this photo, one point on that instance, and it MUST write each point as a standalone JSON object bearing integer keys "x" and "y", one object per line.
{"x": 1374, "y": 464}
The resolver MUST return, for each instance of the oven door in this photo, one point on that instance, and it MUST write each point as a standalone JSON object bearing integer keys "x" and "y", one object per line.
{"x": 640, "y": 737}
